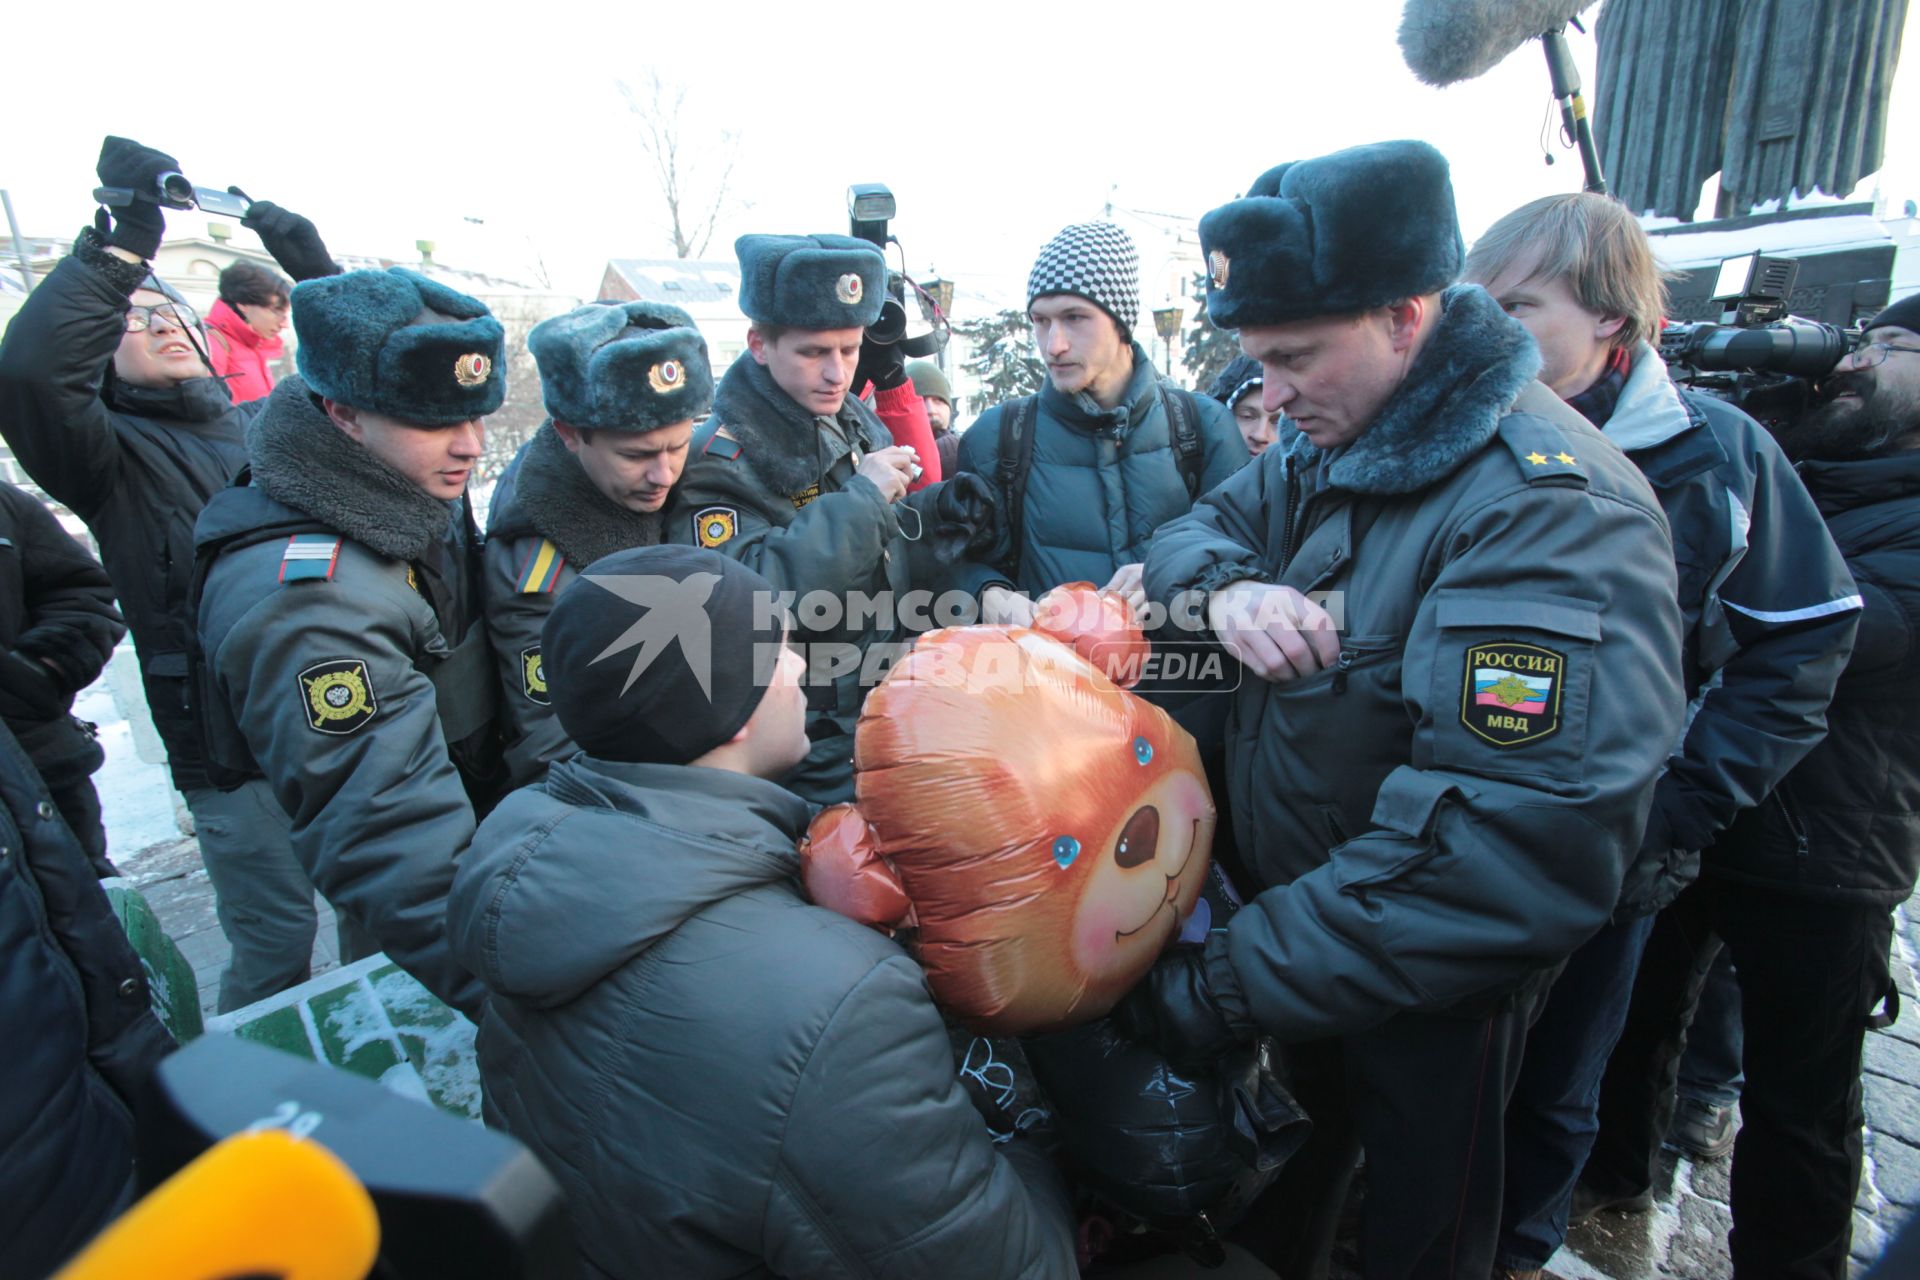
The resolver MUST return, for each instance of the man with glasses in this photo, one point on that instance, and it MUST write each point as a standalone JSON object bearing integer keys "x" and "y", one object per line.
{"x": 107, "y": 400}
{"x": 1802, "y": 888}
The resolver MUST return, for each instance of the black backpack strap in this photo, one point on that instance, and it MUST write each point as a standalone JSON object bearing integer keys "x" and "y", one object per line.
{"x": 1016, "y": 460}
{"x": 1184, "y": 428}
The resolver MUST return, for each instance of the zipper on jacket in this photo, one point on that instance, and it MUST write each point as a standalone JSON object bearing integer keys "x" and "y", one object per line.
{"x": 1340, "y": 671}
{"x": 1293, "y": 508}
{"x": 1801, "y": 846}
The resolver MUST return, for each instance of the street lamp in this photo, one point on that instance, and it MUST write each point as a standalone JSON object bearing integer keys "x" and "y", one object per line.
{"x": 1166, "y": 323}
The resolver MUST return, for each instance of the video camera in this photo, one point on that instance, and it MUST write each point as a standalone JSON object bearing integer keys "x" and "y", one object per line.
{"x": 173, "y": 191}
{"x": 1758, "y": 356}
{"x": 869, "y": 206}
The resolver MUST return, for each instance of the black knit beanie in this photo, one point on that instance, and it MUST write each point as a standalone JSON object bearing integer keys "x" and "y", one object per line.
{"x": 657, "y": 655}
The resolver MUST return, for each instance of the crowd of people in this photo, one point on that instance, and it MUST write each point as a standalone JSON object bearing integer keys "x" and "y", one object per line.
{"x": 1551, "y": 680}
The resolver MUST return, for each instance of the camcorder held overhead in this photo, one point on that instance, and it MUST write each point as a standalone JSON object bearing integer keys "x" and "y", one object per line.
{"x": 1757, "y": 356}
{"x": 174, "y": 191}
{"x": 870, "y": 205}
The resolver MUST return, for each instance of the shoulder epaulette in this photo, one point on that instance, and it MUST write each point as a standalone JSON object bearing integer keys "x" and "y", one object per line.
{"x": 1541, "y": 449}
{"x": 310, "y": 557}
{"x": 712, "y": 437}
{"x": 542, "y": 569}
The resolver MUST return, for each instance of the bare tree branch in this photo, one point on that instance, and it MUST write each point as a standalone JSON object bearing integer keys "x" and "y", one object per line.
{"x": 677, "y": 164}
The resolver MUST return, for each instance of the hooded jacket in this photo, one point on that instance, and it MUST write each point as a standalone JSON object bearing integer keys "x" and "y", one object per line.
{"x": 1767, "y": 606}
{"x": 548, "y": 522}
{"x": 241, "y": 357}
{"x": 727, "y": 1080}
{"x": 80, "y": 1033}
{"x": 344, "y": 659}
{"x": 137, "y": 465}
{"x": 1103, "y": 481}
{"x": 1845, "y": 823}
{"x": 1451, "y": 808}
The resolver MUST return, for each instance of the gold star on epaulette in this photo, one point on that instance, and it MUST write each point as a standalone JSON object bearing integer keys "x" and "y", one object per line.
{"x": 1564, "y": 457}
{"x": 1537, "y": 458}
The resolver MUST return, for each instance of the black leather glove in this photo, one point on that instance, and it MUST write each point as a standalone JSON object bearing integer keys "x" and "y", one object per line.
{"x": 289, "y": 237}
{"x": 881, "y": 364}
{"x": 1173, "y": 1009}
{"x": 135, "y": 227}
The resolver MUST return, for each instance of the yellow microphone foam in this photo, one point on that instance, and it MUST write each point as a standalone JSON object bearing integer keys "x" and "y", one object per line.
{"x": 264, "y": 1203}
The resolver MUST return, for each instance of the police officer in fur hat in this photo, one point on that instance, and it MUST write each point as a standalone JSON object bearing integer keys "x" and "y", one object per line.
{"x": 1437, "y": 791}
{"x": 623, "y": 383}
{"x": 799, "y": 480}
{"x": 343, "y": 655}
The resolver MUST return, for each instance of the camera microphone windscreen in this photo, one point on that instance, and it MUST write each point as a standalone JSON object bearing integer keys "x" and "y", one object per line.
{"x": 1447, "y": 41}
{"x": 255, "y": 1204}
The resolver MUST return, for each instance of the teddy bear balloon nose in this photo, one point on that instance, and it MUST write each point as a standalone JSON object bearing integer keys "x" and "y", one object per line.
{"x": 1139, "y": 839}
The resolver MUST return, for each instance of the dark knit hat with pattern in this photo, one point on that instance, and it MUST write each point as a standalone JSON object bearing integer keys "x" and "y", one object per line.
{"x": 1096, "y": 261}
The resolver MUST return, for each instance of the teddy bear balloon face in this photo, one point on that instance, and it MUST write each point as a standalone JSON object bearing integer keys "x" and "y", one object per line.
{"x": 1044, "y": 830}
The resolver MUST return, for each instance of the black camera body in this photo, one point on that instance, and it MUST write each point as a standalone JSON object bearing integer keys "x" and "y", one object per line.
{"x": 173, "y": 191}
{"x": 870, "y": 206}
{"x": 1760, "y": 358}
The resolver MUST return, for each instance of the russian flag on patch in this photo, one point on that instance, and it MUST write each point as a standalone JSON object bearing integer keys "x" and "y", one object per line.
{"x": 1511, "y": 691}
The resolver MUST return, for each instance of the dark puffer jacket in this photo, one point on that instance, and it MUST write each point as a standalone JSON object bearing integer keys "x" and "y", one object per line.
{"x": 1845, "y": 824}
{"x": 1103, "y": 481}
{"x": 58, "y": 627}
{"x": 80, "y": 1035}
{"x": 1768, "y": 609}
{"x": 136, "y": 465}
{"x": 727, "y": 1079}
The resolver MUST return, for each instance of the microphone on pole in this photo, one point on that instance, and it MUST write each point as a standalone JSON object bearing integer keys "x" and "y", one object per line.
{"x": 1447, "y": 41}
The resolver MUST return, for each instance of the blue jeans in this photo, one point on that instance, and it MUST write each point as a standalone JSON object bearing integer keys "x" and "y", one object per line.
{"x": 1554, "y": 1112}
{"x": 1710, "y": 1072}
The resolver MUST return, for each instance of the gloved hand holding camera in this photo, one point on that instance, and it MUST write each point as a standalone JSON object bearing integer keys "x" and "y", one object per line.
{"x": 138, "y": 226}
{"x": 881, "y": 363}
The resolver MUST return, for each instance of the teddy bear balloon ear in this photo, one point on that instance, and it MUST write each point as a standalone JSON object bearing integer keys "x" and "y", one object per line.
{"x": 1098, "y": 625}
{"x": 843, "y": 870}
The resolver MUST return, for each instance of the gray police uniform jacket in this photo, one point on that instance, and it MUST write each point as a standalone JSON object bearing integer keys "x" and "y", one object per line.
{"x": 1451, "y": 808}
{"x": 1769, "y": 611}
{"x": 349, "y": 668}
{"x": 1103, "y": 481}
{"x": 548, "y": 522}
{"x": 776, "y": 491}
{"x": 726, "y": 1079}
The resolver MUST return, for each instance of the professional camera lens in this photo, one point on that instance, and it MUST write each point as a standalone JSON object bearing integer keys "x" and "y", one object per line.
{"x": 175, "y": 190}
{"x": 1795, "y": 346}
{"x": 891, "y": 326}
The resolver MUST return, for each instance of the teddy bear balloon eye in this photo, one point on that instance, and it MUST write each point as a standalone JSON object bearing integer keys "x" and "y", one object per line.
{"x": 1142, "y": 750}
{"x": 1065, "y": 850}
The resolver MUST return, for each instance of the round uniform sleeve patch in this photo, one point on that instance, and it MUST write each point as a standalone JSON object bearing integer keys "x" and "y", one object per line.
{"x": 715, "y": 526}
{"x": 1511, "y": 692}
{"x": 533, "y": 675}
{"x": 337, "y": 696}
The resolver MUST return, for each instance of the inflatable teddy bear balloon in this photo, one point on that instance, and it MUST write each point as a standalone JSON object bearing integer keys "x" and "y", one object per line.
{"x": 1042, "y": 830}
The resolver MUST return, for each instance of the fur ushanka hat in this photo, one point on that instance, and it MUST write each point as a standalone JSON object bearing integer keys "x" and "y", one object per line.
{"x": 1337, "y": 234}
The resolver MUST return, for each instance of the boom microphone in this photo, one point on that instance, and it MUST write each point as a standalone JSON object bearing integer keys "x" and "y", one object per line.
{"x": 1447, "y": 41}
{"x": 257, "y": 1204}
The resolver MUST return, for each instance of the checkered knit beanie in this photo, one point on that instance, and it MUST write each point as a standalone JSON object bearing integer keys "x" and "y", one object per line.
{"x": 1095, "y": 260}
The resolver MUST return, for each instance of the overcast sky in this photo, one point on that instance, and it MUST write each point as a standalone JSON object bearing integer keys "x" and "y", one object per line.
{"x": 994, "y": 123}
